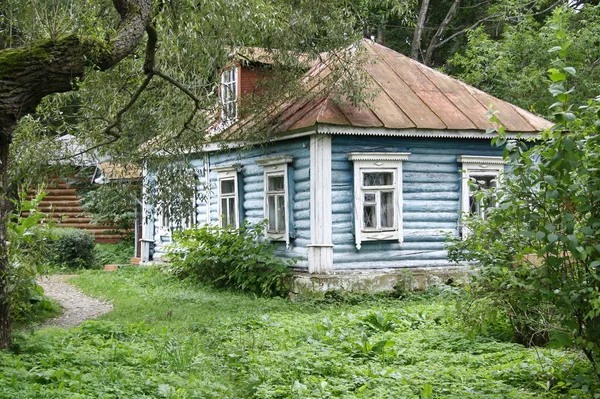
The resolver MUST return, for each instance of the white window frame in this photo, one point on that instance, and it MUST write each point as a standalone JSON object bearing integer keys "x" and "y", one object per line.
{"x": 229, "y": 172}
{"x": 476, "y": 166}
{"x": 274, "y": 167}
{"x": 366, "y": 162}
{"x": 229, "y": 85}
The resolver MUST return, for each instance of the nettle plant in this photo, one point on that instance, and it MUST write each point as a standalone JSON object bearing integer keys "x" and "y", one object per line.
{"x": 227, "y": 257}
{"x": 538, "y": 248}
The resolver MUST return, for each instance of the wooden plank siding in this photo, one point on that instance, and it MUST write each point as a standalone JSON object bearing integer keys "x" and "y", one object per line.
{"x": 252, "y": 178}
{"x": 431, "y": 200}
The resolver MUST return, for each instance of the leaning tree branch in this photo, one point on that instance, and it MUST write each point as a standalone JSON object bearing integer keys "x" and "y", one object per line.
{"x": 90, "y": 149}
{"x": 416, "y": 43}
{"x": 438, "y": 34}
{"x": 491, "y": 18}
{"x": 149, "y": 63}
{"x": 109, "y": 130}
{"x": 188, "y": 92}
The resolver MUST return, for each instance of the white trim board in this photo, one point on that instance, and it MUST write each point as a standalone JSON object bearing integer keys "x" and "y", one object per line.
{"x": 320, "y": 250}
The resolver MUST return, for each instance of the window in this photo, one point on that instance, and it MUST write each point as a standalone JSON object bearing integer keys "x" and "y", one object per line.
{"x": 276, "y": 197}
{"x": 377, "y": 196}
{"x": 229, "y": 98}
{"x": 276, "y": 203}
{"x": 228, "y": 195}
{"x": 478, "y": 173}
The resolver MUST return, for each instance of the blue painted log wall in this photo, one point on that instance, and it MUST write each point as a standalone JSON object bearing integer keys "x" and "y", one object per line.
{"x": 252, "y": 176}
{"x": 431, "y": 194}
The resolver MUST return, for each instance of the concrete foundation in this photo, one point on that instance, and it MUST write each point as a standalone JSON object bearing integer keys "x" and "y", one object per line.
{"x": 412, "y": 279}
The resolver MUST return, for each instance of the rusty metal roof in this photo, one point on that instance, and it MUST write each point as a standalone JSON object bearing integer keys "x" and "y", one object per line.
{"x": 410, "y": 95}
{"x": 119, "y": 172}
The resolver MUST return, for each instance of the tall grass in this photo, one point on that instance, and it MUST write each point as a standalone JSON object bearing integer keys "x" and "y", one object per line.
{"x": 167, "y": 339}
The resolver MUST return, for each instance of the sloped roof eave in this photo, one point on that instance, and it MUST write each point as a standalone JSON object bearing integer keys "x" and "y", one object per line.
{"x": 415, "y": 132}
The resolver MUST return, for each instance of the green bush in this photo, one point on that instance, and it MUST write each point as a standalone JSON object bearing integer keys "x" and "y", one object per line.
{"x": 538, "y": 249}
{"x": 233, "y": 258}
{"x": 28, "y": 255}
{"x": 72, "y": 248}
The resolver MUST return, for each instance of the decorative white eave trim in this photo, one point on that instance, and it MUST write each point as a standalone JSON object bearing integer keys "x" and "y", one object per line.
{"x": 320, "y": 128}
{"x": 236, "y": 167}
{"x": 378, "y": 156}
{"x": 284, "y": 159}
{"x": 414, "y": 132}
{"x": 481, "y": 160}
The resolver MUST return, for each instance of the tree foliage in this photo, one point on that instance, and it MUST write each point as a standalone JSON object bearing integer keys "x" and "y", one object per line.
{"x": 538, "y": 250}
{"x": 115, "y": 75}
{"x": 513, "y": 66}
{"x": 432, "y": 31}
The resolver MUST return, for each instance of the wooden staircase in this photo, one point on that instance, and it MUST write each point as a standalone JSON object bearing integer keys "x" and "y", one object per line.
{"x": 63, "y": 205}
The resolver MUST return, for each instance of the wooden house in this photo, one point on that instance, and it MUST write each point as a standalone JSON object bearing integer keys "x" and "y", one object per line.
{"x": 348, "y": 189}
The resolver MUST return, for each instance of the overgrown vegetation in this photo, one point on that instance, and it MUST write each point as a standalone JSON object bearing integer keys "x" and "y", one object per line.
{"x": 538, "y": 250}
{"x": 239, "y": 258}
{"x": 513, "y": 66}
{"x": 28, "y": 254}
{"x": 71, "y": 248}
{"x": 118, "y": 253}
{"x": 171, "y": 339}
{"x": 113, "y": 205}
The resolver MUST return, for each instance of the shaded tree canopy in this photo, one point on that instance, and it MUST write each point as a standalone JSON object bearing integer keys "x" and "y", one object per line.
{"x": 431, "y": 31}
{"x": 117, "y": 74}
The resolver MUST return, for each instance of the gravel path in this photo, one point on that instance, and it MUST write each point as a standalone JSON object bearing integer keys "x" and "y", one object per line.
{"x": 77, "y": 306}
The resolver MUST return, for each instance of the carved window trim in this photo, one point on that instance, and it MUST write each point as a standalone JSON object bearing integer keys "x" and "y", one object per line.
{"x": 273, "y": 168}
{"x": 228, "y": 173}
{"x": 370, "y": 162}
{"x": 473, "y": 167}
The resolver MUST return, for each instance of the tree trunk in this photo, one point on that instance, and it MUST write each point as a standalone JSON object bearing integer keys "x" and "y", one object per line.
{"x": 433, "y": 44}
{"x": 29, "y": 74}
{"x": 416, "y": 42}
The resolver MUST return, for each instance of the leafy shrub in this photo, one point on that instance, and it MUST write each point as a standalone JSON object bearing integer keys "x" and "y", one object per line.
{"x": 72, "y": 248}
{"x": 235, "y": 258}
{"x": 538, "y": 250}
{"x": 113, "y": 205}
{"x": 28, "y": 255}
{"x": 119, "y": 253}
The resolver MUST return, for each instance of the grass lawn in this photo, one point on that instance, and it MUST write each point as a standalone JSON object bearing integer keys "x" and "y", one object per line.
{"x": 166, "y": 339}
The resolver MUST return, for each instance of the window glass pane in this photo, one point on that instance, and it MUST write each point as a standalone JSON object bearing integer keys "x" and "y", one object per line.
{"x": 369, "y": 216}
{"x": 272, "y": 212}
{"x": 280, "y": 213}
{"x": 227, "y": 186}
{"x": 474, "y": 206}
{"x": 477, "y": 207}
{"x": 231, "y": 212}
{"x": 369, "y": 198}
{"x": 224, "y": 219}
{"x": 378, "y": 179}
{"x": 484, "y": 182}
{"x": 275, "y": 183}
{"x": 387, "y": 209}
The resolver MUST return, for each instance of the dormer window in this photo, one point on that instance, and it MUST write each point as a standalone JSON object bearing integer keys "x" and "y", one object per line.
{"x": 229, "y": 94}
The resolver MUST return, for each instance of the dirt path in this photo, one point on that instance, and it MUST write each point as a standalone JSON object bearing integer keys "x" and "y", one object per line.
{"x": 77, "y": 306}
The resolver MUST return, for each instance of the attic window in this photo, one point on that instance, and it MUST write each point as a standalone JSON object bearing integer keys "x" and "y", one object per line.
{"x": 229, "y": 94}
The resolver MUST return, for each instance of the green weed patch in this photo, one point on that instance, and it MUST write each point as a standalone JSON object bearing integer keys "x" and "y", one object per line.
{"x": 166, "y": 339}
